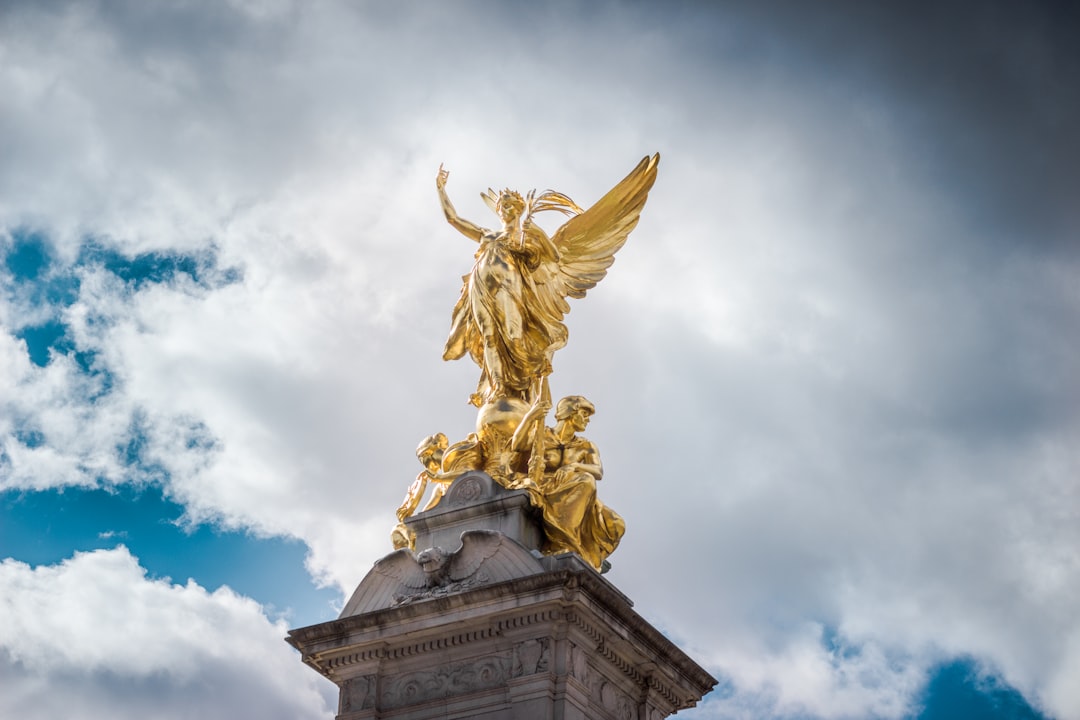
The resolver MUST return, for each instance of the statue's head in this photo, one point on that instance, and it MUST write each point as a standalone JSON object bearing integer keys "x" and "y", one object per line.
{"x": 571, "y": 404}
{"x": 430, "y": 450}
{"x": 510, "y": 205}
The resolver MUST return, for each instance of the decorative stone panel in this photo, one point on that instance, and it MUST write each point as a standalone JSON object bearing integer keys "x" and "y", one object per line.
{"x": 562, "y": 642}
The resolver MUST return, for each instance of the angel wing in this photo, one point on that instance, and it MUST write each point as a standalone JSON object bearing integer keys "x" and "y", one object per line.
{"x": 587, "y": 243}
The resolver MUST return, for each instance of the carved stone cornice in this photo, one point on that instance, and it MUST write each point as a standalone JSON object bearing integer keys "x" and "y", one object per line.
{"x": 471, "y": 646}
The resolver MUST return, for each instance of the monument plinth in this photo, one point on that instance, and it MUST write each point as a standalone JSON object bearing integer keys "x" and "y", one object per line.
{"x": 494, "y": 629}
{"x": 493, "y": 604}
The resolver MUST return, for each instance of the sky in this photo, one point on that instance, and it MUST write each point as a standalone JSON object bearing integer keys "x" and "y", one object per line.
{"x": 835, "y": 365}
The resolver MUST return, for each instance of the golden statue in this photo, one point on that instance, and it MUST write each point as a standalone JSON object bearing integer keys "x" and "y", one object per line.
{"x": 430, "y": 454}
{"x": 509, "y": 317}
{"x": 565, "y": 491}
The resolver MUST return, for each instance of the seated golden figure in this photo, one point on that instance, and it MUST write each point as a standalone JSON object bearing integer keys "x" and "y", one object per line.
{"x": 574, "y": 518}
{"x": 558, "y": 467}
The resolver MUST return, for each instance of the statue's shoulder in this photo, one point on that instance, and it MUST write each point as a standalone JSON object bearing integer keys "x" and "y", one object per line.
{"x": 581, "y": 444}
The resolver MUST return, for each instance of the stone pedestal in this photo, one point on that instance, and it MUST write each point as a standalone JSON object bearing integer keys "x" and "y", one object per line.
{"x": 476, "y": 502}
{"x": 493, "y": 630}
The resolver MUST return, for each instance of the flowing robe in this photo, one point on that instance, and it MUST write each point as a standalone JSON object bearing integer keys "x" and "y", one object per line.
{"x": 508, "y": 328}
{"x": 574, "y": 518}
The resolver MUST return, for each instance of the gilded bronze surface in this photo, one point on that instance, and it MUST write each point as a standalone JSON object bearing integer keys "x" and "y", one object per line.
{"x": 509, "y": 317}
{"x": 430, "y": 454}
{"x": 564, "y": 489}
{"x": 509, "y": 320}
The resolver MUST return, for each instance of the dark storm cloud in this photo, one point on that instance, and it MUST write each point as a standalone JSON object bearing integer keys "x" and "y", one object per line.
{"x": 987, "y": 95}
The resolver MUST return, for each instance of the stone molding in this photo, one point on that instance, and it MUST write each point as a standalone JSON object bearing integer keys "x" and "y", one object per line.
{"x": 564, "y": 636}
{"x": 335, "y": 662}
{"x": 475, "y": 501}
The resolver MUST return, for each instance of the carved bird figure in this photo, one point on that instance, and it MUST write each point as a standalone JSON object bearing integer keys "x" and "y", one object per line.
{"x": 485, "y": 556}
{"x": 434, "y": 567}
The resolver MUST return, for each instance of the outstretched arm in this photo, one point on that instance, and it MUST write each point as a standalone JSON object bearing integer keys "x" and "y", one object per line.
{"x": 466, "y": 228}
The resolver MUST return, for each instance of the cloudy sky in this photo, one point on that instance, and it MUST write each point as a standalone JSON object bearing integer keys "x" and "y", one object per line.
{"x": 835, "y": 367}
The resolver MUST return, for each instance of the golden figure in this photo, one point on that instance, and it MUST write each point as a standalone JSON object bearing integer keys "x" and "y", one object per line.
{"x": 574, "y": 518}
{"x": 430, "y": 454}
{"x": 489, "y": 448}
{"x": 509, "y": 317}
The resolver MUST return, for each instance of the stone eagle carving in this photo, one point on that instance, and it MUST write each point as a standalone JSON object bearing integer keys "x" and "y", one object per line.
{"x": 485, "y": 556}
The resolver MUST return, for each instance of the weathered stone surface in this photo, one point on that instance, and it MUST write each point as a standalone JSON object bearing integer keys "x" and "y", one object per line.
{"x": 482, "y": 557}
{"x": 477, "y": 624}
{"x": 476, "y": 502}
{"x": 560, "y": 642}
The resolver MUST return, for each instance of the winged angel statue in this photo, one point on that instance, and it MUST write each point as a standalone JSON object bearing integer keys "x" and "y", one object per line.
{"x": 509, "y": 318}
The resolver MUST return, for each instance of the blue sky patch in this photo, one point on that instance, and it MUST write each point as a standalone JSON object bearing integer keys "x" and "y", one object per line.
{"x": 47, "y": 527}
{"x": 37, "y": 277}
{"x": 201, "y": 268}
{"x": 33, "y": 267}
{"x": 43, "y": 528}
{"x": 28, "y": 256}
{"x": 29, "y": 262}
{"x": 959, "y": 690}
{"x": 40, "y": 339}
{"x": 29, "y": 438}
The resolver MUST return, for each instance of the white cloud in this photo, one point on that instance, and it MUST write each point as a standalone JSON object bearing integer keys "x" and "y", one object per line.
{"x": 827, "y": 396}
{"x": 94, "y": 637}
{"x": 809, "y": 678}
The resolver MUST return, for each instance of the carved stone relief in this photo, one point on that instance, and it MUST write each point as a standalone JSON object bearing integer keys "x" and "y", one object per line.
{"x": 616, "y": 702}
{"x": 531, "y": 657}
{"x": 526, "y": 658}
{"x": 579, "y": 666}
{"x": 357, "y": 694}
{"x": 469, "y": 489}
{"x": 414, "y": 594}
{"x": 460, "y": 679}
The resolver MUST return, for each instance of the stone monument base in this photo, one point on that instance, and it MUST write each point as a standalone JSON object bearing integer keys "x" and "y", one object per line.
{"x": 494, "y": 630}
